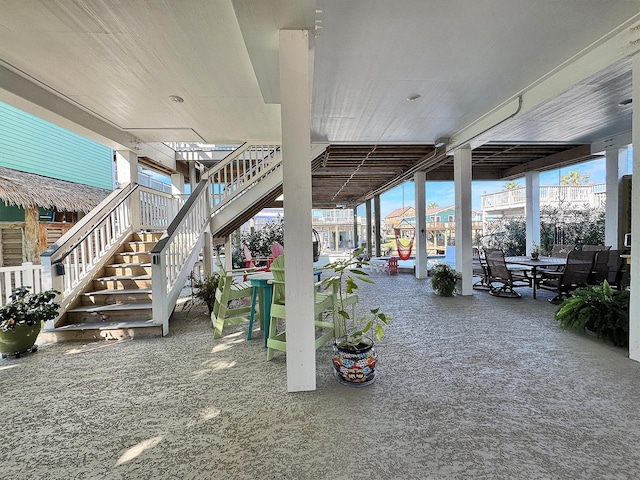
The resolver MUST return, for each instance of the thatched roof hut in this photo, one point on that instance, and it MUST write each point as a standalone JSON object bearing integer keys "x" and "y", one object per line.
{"x": 28, "y": 190}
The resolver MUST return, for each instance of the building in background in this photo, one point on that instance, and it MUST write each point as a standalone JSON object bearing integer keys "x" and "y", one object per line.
{"x": 49, "y": 177}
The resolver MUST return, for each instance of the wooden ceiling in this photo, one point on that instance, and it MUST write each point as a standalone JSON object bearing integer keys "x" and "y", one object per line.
{"x": 348, "y": 175}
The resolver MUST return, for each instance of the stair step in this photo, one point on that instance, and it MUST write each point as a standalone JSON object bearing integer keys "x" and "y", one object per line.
{"x": 109, "y": 296}
{"x": 125, "y": 282}
{"x": 128, "y": 269}
{"x": 146, "y": 236}
{"x": 117, "y": 330}
{"x": 132, "y": 257}
{"x": 110, "y": 313}
{"x": 140, "y": 247}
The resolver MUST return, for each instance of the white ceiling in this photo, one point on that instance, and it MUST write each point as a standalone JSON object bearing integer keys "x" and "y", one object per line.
{"x": 120, "y": 61}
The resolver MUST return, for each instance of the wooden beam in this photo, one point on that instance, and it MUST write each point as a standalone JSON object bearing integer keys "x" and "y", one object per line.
{"x": 549, "y": 162}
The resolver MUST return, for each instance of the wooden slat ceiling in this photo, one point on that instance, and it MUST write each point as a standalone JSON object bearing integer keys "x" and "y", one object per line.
{"x": 348, "y": 175}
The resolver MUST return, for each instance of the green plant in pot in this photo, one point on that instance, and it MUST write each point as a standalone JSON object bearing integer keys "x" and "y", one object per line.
{"x": 21, "y": 319}
{"x": 599, "y": 309}
{"x": 354, "y": 356}
{"x": 203, "y": 290}
{"x": 444, "y": 279}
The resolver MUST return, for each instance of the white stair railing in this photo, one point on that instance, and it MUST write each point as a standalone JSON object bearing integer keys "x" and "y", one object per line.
{"x": 176, "y": 253}
{"x": 70, "y": 263}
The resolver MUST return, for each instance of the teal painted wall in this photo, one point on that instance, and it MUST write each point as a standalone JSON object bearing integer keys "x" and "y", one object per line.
{"x": 11, "y": 213}
{"x": 30, "y": 144}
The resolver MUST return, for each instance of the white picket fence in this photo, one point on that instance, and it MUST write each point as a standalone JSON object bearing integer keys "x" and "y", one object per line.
{"x": 25, "y": 275}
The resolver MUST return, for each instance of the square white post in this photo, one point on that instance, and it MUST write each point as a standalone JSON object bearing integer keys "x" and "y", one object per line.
{"x": 369, "y": 229}
{"x": 378, "y": 230}
{"x": 126, "y": 168}
{"x": 532, "y": 209}
{"x": 464, "y": 248}
{"x": 295, "y": 100}
{"x": 634, "y": 302}
{"x": 420, "y": 242}
{"x": 616, "y": 159}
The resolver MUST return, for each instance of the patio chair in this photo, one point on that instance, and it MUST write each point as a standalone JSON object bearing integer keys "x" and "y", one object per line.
{"x": 506, "y": 278}
{"x": 576, "y": 274}
{"x": 617, "y": 269}
{"x": 481, "y": 269}
{"x": 324, "y": 305}
{"x": 600, "y": 270}
{"x": 560, "y": 250}
{"x": 229, "y": 288}
{"x": 595, "y": 248}
{"x": 392, "y": 266}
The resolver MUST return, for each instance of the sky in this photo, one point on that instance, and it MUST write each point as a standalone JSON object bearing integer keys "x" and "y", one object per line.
{"x": 442, "y": 193}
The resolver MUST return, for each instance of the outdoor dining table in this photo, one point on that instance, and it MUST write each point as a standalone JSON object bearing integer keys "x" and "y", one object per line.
{"x": 263, "y": 293}
{"x": 544, "y": 262}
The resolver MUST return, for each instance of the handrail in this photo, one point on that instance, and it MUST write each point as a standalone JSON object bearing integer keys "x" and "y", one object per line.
{"x": 54, "y": 248}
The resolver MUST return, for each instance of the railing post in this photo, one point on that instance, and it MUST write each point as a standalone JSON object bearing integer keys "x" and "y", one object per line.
{"x": 159, "y": 299}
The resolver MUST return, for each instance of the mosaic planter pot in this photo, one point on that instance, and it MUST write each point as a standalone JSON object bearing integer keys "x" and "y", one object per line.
{"x": 355, "y": 366}
{"x": 19, "y": 339}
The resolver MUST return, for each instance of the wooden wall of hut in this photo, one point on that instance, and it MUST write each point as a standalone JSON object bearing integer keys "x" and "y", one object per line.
{"x": 25, "y": 241}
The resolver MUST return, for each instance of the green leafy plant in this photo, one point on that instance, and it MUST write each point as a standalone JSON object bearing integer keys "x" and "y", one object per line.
{"x": 600, "y": 309}
{"x": 28, "y": 308}
{"x": 203, "y": 290}
{"x": 444, "y": 279}
{"x": 344, "y": 281}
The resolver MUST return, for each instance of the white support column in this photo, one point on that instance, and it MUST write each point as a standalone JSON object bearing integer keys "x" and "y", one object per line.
{"x": 295, "y": 99}
{"x": 634, "y": 302}
{"x": 464, "y": 248}
{"x": 376, "y": 212}
{"x": 370, "y": 252}
{"x": 228, "y": 253}
{"x": 356, "y": 238}
{"x": 177, "y": 184}
{"x": 420, "y": 241}
{"x": 616, "y": 162}
{"x": 126, "y": 168}
{"x": 192, "y": 176}
{"x": 532, "y": 210}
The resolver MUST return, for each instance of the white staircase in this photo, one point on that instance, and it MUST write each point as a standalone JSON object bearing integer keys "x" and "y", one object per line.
{"x": 118, "y": 282}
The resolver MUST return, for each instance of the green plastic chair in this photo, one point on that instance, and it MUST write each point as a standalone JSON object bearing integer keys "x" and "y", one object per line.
{"x": 324, "y": 303}
{"x": 229, "y": 288}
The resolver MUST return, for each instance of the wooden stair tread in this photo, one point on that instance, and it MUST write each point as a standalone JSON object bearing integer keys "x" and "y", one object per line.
{"x": 124, "y": 265}
{"x": 105, "y": 325}
{"x": 111, "y": 307}
{"x": 128, "y": 291}
{"x": 112, "y": 278}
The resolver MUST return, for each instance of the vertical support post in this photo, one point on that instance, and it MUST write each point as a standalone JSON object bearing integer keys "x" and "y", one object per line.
{"x": 356, "y": 240}
{"x": 420, "y": 242}
{"x": 616, "y": 160}
{"x": 532, "y": 209}
{"x": 192, "y": 176}
{"x": 295, "y": 100}
{"x": 126, "y": 167}
{"x": 369, "y": 230}
{"x": 228, "y": 256}
{"x": 177, "y": 190}
{"x": 464, "y": 252}
{"x": 634, "y": 302}
{"x": 376, "y": 212}
{"x": 159, "y": 301}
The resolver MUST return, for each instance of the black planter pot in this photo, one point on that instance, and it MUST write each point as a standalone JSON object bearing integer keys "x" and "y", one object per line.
{"x": 355, "y": 366}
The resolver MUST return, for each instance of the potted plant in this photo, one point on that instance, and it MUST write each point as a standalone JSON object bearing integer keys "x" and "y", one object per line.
{"x": 203, "y": 290}
{"x": 444, "y": 279}
{"x": 21, "y": 320}
{"x": 535, "y": 251}
{"x": 598, "y": 309}
{"x": 354, "y": 356}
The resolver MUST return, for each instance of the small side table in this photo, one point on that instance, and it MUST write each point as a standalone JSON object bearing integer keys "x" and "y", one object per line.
{"x": 262, "y": 292}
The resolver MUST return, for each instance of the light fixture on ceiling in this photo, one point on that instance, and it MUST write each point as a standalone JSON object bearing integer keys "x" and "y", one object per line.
{"x": 176, "y": 98}
{"x": 626, "y": 102}
{"x": 441, "y": 141}
{"x": 413, "y": 97}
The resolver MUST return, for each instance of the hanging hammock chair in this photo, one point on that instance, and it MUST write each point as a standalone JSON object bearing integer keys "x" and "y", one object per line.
{"x": 404, "y": 245}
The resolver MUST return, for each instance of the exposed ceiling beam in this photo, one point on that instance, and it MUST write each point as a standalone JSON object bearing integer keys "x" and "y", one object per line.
{"x": 552, "y": 161}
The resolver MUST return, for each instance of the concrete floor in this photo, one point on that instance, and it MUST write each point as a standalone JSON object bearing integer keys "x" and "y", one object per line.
{"x": 468, "y": 388}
